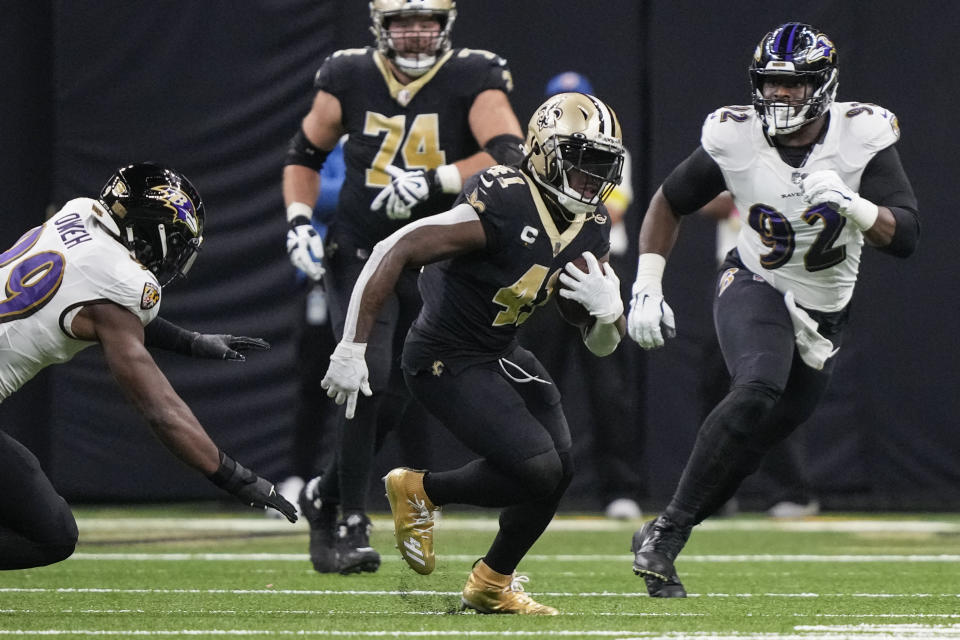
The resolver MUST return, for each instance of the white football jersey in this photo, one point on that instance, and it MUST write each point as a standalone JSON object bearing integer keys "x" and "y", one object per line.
{"x": 810, "y": 250}
{"x": 51, "y": 273}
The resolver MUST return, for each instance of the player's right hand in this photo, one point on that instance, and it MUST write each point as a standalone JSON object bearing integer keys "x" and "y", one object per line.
{"x": 651, "y": 318}
{"x": 222, "y": 346}
{"x": 347, "y": 375}
{"x": 305, "y": 248}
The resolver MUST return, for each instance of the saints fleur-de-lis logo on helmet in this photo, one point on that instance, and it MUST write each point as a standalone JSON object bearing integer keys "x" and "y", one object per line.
{"x": 549, "y": 114}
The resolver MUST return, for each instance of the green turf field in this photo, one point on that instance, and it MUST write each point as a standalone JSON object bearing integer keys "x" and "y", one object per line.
{"x": 149, "y": 572}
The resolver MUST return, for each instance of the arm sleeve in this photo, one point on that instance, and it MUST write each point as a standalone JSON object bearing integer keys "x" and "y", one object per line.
{"x": 885, "y": 183}
{"x": 161, "y": 334}
{"x": 693, "y": 183}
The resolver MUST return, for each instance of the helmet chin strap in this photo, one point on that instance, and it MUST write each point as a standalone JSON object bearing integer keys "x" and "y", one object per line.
{"x": 576, "y": 207}
{"x": 416, "y": 66}
{"x": 565, "y": 204}
{"x": 784, "y": 108}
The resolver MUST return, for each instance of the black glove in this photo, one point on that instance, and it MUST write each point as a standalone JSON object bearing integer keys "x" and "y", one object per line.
{"x": 250, "y": 488}
{"x": 224, "y": 347}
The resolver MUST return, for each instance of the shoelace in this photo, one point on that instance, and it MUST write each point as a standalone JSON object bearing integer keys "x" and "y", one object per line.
{"x": 421, "y": 515}
{"x": 526, "y": 376}
{"x": 516, "y": 583}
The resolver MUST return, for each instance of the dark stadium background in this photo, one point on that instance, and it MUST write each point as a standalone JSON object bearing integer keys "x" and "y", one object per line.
{"x": 217, "y": 87}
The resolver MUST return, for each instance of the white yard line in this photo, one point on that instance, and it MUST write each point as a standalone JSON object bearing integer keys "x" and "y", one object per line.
{"x": 847, "y": 632}
{"x": 263, "y": 525}
{"x": 597, "y": 557}
{"x": 429, "y": 592}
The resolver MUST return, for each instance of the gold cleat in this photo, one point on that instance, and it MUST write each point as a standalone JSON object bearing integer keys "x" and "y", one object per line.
{"x": 412, "y": 518}
{"x": 487, "y": 591}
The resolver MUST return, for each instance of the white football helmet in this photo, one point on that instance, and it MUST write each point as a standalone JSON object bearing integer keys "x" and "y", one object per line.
{"x": 574, "y": 151}
{"x": 392, "y": 45}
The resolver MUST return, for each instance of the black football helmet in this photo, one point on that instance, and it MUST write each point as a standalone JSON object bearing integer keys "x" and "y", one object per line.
{"x": 156, "y": 213}
{"x": 805, "y": 54}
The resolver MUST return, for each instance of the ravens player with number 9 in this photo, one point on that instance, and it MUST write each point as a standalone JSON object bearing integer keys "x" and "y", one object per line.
{"x": 491, "y": 261}
{"x": 420, "y": 118}
{"x": 93, "y": 273}
{"x": 816, "y": 179}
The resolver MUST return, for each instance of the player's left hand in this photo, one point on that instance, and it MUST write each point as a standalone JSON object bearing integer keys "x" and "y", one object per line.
{"x": 347, "y": 375}
{"x": 651, "y": 319}
{"x": 250, "y": 488}
{"x": 406, "y": 190}
{"x": 597, "y": 289}
{"x": 224, "y": 346}
{"x": 826, "y": 187}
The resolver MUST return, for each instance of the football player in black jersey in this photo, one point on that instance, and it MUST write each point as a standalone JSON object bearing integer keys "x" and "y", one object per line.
{"x": 491, "y": 261}
{"x": 420, "y": 117}
{"x": 815, "y": 179}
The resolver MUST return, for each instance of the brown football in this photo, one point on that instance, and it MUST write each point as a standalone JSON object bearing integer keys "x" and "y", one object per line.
{"x": 571, "y": 311}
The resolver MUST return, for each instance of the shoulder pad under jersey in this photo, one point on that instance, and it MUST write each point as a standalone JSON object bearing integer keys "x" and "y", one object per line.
{"x": 726, "y": 135}
{"x": 338, "y": 67}
{"x": 875, "y": 127}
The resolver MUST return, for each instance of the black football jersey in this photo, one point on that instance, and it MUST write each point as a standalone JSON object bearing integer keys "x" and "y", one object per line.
{"x": 420, "y": 125}
{"x": 473, "y": 304}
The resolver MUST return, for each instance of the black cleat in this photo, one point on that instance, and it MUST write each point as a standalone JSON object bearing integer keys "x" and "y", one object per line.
{"x": 322, "y": 518}
{"x": 655, "y": 545}
{"x": 354, "y": 553}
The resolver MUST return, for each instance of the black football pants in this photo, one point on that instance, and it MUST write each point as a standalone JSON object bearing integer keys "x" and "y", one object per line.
{"x": 772, "y": 392}
{"x": 521, "y": 435}
{"x": 36, "y": 525}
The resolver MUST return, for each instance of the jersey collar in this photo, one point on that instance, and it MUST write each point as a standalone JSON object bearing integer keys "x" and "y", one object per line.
{"x": 558, "y": 241}
{"x": 404, "y": 93}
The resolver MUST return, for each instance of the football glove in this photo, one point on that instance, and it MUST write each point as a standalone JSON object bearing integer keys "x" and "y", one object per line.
{"x": 305, "y": 247}
{"x": 224, "y": 347}
{"x": 651, "y": 318}
{"x": 406, "y": 190}
{"x": 597, "y": 289}
{"x": 250, "y": 488}
{"x": 347, "y": 374}
{"x": 826, "y": 187}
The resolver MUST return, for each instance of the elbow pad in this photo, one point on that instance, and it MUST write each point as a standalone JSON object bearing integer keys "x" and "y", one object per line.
{"x": 506, "y": 149}
{"x": 303, "y": 152}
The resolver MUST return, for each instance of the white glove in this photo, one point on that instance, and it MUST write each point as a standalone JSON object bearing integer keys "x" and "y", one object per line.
{"x": 651, "y": 318}
{"x": 405, "y": 191}
{"x": 597, "y": 289}
{"x": 347, "y": 374}
{"x": 826, "y": 187}
{"x": 305, "y": 248}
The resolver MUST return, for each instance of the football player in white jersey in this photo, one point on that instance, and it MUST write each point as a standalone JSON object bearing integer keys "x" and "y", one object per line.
{"x": 93, "y": 273}
{"x": 814, "y": 180}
